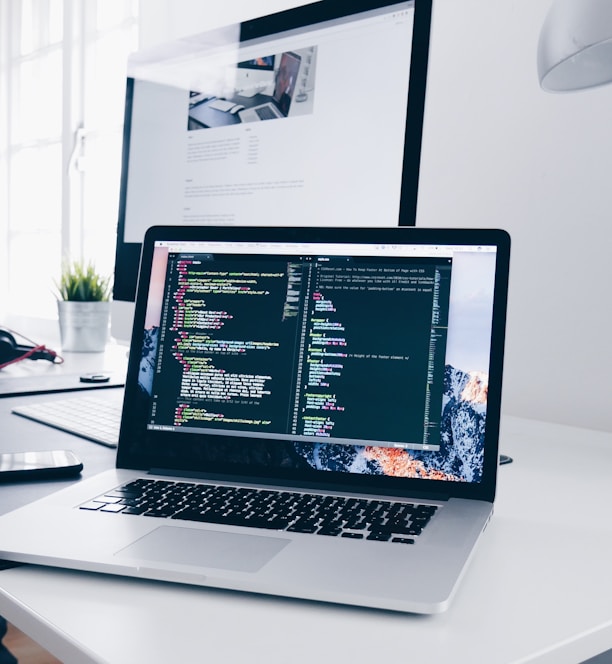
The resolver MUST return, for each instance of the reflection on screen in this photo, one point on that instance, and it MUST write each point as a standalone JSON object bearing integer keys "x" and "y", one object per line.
{"x": 199, "y": 152}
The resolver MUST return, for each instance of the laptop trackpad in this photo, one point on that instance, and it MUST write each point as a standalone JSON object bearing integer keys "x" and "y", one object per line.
{"x": 205, "y": 548}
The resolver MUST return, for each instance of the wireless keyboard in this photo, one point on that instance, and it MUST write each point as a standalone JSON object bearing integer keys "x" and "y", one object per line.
{"x": 87, "y": 416}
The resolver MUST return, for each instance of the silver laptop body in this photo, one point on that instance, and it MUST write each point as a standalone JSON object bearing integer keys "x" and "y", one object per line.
{"x": 352, "y": 363}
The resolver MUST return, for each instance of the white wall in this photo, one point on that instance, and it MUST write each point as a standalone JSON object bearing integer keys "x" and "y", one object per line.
{"x": 500, "y": 152}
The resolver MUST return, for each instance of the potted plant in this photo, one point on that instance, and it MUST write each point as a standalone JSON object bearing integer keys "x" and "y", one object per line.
{"x": 83, "y": 306}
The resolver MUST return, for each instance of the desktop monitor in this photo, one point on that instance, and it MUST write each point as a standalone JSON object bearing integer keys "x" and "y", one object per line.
{"x": 342, "y": 146}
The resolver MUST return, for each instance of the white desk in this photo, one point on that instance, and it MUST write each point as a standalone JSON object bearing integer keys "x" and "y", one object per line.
{"x": 539, "y": 588}
{"x": 41, "y": 375}
{"x": 18, "y": 434}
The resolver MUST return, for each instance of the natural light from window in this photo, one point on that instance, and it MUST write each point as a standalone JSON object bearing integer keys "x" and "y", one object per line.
{"x": 62, "y": 90}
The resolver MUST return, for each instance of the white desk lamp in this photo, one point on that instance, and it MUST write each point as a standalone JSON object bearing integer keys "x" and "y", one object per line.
{"x": 575, "y": 47}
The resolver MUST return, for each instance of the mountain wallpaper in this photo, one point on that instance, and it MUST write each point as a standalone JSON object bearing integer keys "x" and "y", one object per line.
{"x": 462, "y": 446}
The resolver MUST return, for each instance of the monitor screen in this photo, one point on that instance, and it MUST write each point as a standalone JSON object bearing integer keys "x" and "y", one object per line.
{"x": 308, "y": 117}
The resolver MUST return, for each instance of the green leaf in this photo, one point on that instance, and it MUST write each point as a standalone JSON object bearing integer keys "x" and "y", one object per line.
{"x": 80, "y": 282}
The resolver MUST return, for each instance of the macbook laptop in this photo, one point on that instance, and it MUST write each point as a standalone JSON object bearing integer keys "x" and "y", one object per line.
{"x": 308, "y": 412}
{"x": 284, "y": 87}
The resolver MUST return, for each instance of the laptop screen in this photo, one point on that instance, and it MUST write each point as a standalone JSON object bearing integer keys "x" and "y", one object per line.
{"x": 286, "y": 79}
{"x": 359, "y": 358}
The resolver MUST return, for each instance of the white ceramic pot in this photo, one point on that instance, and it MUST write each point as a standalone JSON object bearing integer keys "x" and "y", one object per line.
{"x": 84, "y": 326}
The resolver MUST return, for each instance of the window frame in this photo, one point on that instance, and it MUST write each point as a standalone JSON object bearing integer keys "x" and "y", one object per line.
{"x": 80, "y": 30}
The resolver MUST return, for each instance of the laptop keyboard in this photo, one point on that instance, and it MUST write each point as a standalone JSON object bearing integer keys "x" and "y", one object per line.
{"x": 333, "y": 516}
{"x": 265, "y": 113}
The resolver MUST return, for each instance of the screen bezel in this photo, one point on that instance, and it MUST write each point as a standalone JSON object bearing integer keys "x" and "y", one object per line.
{"x": 127, "y": 254}
{"x": 160, "y": 453}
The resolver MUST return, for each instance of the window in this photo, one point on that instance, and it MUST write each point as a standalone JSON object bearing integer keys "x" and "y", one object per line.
{"x": 62, "y": 90}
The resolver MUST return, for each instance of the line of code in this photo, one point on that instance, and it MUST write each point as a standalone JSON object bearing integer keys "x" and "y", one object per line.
{"x": 375, "y": 344}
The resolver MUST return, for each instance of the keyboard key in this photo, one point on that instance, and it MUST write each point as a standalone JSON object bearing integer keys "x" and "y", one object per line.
{"x": 92, "y": 505}
{"x": 302, "y": 526}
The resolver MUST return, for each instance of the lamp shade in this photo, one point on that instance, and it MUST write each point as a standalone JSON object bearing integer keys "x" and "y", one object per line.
{"x": 575, "y": 46}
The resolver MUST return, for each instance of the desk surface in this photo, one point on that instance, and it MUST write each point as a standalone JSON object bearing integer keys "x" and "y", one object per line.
{"x": 539, "y": 588}
{"x": 19, "y": 434}
{"x": 41, "y": 376}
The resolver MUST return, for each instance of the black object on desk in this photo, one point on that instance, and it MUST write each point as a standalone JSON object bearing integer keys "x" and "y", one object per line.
{"x": 40, "y": 465}
{"x": 94, "y": 378}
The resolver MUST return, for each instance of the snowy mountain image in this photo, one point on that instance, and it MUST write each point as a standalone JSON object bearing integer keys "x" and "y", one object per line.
{"x": 462, "y": 440}
{"x": 147, "y": 360}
